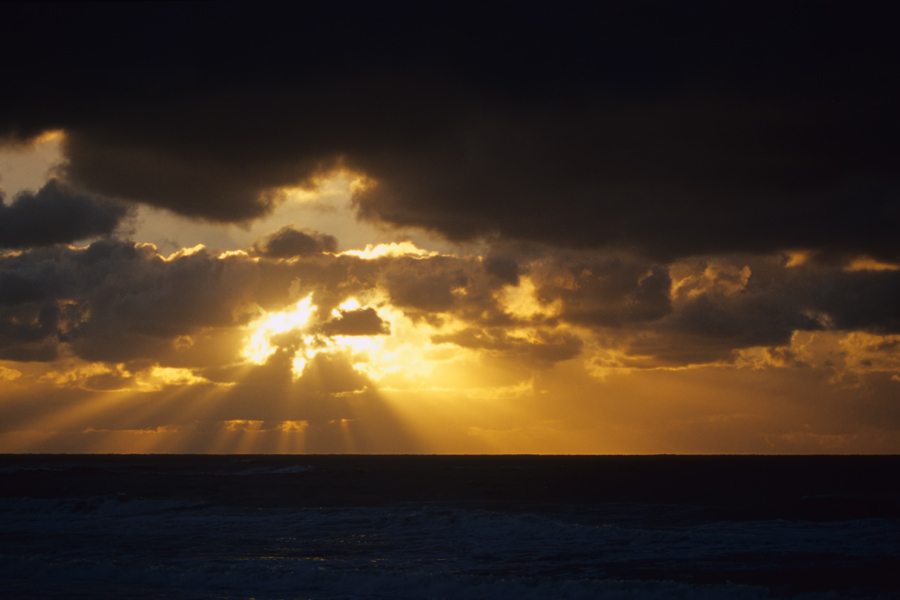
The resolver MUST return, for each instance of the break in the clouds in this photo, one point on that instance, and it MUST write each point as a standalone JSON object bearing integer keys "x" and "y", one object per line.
{"x": 666, "y": 129}
{"x": 56, "y": 214}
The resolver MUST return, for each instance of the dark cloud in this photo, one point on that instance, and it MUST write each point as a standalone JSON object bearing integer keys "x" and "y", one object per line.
{"x": 709, "y": 325}
{"x": 504, "y": 268}
{"x": 325, "y": 373}
{"x": 862, "y": 300}
{"x": 288, "y": 242}
{"x": 29, "y": 332}
{"x": 19, "y": 288}
{"x": 542, "y": 347}
{"x": 668, "y": 129}
{"x": 430, "y": 285}
{"x": 364, "y": 321}
{"x": 666, "y": 181}
{"x": 121, "y": 302}
{"x": 56, "y": 214}
{"x": 118, "y": 301}
{"x": 825, "y": 299}
{"x": 604, "y": 291}
{"x": 701, "y": 310}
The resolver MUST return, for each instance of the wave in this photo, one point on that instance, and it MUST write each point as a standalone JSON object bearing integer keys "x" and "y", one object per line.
{"x": 207, "y": 579}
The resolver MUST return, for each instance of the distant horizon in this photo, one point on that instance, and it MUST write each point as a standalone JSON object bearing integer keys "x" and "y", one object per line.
{"x": 13, "y": 454}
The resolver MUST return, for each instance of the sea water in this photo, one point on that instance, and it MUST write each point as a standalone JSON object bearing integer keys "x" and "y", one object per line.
{"x": 444, "y": 528}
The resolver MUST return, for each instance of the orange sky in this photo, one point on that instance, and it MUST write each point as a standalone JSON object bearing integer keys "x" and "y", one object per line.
{"x": 611, "y": 227}
{"x": 186, "y": 336}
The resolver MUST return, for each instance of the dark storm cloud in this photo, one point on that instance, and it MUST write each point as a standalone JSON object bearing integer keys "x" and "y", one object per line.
{"x": 56, "y": 214}
{"x": 216, "y": 174}
{"x": 288, "y": 242}
{"x": 671, "y": 129}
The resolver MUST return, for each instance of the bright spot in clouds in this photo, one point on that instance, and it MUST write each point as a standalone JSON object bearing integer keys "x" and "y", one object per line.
{"x": 259, "y": 348}
{"x": 351, "y": 304}
{"x": 522, "y": 301}
{"x": 401, "y": 354}
{"x": 392, "y": 249}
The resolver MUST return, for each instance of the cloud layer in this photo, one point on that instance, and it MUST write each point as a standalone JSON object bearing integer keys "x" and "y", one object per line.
{"x": 119, "y": 301}
{"x": 670, "y": 130}
{"x": 312, "y": 340}
{"x": 56, "y": 214}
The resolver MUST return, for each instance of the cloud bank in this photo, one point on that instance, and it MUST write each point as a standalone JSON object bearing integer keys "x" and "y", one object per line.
{"x": 668, "y": 130}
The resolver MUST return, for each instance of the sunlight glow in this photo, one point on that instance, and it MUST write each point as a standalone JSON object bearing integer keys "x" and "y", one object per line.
{"x": 157, "y": 377}
{"x": 28, "y": 164}
{"x": 406, "y": 353}
{"x": 521, "y": 301}
{"x": 259, "y": 347}
{"x": 334, "y": 180}
{"x": 870, "y": 264}
{"x": 238, "y": 253}
{"x": 351, "y": 304}
{"x": 103, "y": 377}
{"x": 9, "y": 374}
{"x": 798, "y": 258}
{"x": 403, "y": 354}
{"x": 54, "y": 136}
{"x": 184, "y": 252}
{"x": 392, "y": 249}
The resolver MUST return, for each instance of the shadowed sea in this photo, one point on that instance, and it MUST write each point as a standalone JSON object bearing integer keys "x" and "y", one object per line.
{"x": 449, "y": 527}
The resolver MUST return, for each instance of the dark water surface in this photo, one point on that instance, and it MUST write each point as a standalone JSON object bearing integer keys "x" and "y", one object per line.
{"x": 493, "y": 527}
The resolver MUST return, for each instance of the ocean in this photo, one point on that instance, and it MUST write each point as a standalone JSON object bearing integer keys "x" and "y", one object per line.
{"x": 449, "y": 527}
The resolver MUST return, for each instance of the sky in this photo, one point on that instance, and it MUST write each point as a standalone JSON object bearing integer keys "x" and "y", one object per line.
{"x": 573, "y": 228}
